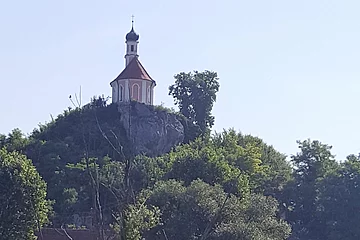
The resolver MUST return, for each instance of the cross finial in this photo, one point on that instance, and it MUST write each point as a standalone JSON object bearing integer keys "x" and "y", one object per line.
{"x": 132, "y": 20}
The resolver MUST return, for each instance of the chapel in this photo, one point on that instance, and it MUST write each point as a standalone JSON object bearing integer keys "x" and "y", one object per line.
{"x": 133, "y": 83}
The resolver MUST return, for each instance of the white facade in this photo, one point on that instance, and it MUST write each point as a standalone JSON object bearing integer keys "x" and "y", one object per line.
{"x": 135, "y": 89}
{"x": 131, "y": 51}
{"x": 133, "y": 83}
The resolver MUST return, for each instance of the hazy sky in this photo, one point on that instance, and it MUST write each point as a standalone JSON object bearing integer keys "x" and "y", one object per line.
{"x": 289, "y": 70}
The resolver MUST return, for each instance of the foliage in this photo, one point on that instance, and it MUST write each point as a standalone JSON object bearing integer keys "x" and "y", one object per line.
{"x": 85, "y": 158}
{"x": 198, "y": 160}
{"x": 139, "y": 218}
{"x": 277, "y": 171}
{"x": 162, "y": 108}
{"x": 23, "y": 206}
{"x": 339, "y": 197}
{"x": 313, "y": 164}
{"x": 226, "y": 159}
{"x": 256, "y": 222}
{"x": 203, "y": 211}
{"x": 59, "y": 150}
{"x": 222, "y": 186}
{"x": 15, "y": 141}
{"x": 64, "y": 159}
{"x": 195, "y": 94}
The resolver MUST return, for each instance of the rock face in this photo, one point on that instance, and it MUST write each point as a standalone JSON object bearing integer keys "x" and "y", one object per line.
{"x": 151, "y": 132}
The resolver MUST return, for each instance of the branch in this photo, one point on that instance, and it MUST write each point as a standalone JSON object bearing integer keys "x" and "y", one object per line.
{"x": 106, "y": 137}
{"x": 67, "y": 235}
{"x": 163, "y": 230}
{"x": 213, "y": 221}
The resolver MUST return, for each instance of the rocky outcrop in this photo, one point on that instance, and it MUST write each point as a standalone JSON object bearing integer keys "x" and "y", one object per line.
{"x": 150, "y": 131}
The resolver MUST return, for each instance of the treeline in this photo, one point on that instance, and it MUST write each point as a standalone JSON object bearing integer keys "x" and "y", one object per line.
{"x": 222, "y": 186}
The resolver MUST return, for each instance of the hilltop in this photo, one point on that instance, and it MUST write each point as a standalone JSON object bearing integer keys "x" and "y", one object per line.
{"x": 134, "y": 171}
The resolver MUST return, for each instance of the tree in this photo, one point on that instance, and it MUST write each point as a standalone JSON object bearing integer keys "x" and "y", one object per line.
{"x": 136, "y": 218}
{"x": 312, "y": 165}
{"x": 228, "y": 165}
{"x": 239, "y": 163}
{"x": 277, "y": 171}
{"x": 195, "y": 94}
{"x": 224, "y": 173}
{"x": 59, "y": 151}
{"x": 257, "y": 220}
{"x": 23, "y": 208}
{"x": 15, "y": 141}
{"x": 339, "y": 197}
{"x": 202, "y": 211}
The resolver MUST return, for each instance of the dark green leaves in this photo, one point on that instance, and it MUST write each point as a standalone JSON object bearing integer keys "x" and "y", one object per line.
{"x": 195, "y": 94}
{"x": 22, "y": 196}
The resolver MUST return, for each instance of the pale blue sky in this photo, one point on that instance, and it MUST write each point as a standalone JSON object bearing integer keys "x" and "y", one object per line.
{"x": 288, "y": 69}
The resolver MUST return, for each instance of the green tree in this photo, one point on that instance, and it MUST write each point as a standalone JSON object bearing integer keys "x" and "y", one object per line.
{"x": 239, "y": 163}
{"x": 339, "y": 202}
{"x": 23, "y": 208}
{"x": 195, "y": 94}
{"x": 277, "y": 171}
{"x": 136, "y": 218}
{"x": 256, "y": 220}
{"x": 59, "y": 150}
{"x": 223, "y": 168}
{"x": 312, "y": 165}
{"x": 202, "y": 211}
{"x": 214, "y": 165}
{"x": 15, "y": 141}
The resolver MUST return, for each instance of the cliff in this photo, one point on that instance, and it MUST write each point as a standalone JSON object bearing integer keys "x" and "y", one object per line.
{"x": 99, "y": 133}
{"x": 150, "y": 131}
{"x": 97, "y": 129}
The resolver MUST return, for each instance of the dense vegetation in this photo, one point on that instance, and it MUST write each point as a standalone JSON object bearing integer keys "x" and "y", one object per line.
{"x": 214, "y": 186}
{"x": 22, "y": 195}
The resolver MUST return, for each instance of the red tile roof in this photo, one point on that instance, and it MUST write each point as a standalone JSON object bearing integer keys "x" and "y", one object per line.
{"x": 134, "y": 70}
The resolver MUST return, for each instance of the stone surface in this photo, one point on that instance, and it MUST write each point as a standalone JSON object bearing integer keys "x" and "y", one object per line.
{"x": 151, "y": 132}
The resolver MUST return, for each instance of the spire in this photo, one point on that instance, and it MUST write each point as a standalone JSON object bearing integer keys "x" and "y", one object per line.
{"x": 132, "y": 35}
{"x": 132, "y": 21}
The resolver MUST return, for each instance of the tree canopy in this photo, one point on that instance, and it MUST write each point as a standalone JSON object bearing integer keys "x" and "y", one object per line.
{"x": 221, "y": 185}
{"x": 24, "y": 208}
{"x": 195, "y": 94}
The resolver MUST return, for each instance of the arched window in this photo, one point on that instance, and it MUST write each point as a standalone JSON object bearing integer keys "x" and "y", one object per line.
{"x": 135, "y": 92}
{"x": 121, "y": 93}
{"x": 148, "y": 95}
{"x": 114, "y": 94}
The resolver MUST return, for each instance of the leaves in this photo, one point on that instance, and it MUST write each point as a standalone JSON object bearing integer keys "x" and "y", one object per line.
{"x": 195, "y": 94}
{"x": 203, "y": 211}
{"x": 22, "y": 195}
{"x": 210, "y": 187}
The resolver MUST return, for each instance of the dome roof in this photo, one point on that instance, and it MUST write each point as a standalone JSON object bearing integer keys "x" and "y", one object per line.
{"x": 132, "y": 35}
